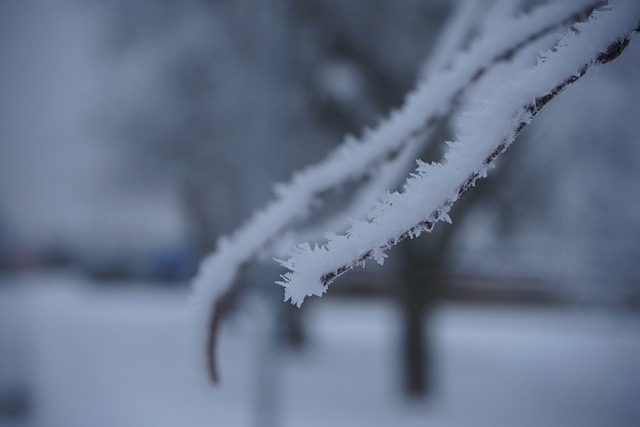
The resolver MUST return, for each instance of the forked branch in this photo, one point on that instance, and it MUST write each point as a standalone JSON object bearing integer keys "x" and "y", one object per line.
{"x": 423, "y": 109}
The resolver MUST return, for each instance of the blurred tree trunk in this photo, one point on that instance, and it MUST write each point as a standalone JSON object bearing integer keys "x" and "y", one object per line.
{"x": 420, "y": 280}
{"x": 424, "y": 265}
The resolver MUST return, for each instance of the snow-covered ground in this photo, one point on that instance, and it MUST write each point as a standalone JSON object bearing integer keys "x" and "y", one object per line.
{"x": 99, "y": 357}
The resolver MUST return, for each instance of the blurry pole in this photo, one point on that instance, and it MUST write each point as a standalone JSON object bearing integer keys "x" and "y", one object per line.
{"x": 268, "y": 165}
{"x": 268, "y": 372}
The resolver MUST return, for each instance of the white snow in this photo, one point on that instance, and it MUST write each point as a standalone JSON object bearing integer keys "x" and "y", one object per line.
{"x": 117, "y": 358}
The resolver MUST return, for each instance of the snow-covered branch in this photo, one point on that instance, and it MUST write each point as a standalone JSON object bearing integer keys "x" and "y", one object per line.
{"x": 431, "y": 191}
{"x": 423, "y": 109}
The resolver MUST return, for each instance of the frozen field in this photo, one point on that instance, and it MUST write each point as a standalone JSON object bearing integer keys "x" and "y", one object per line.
{"x": 116, "y": 358}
